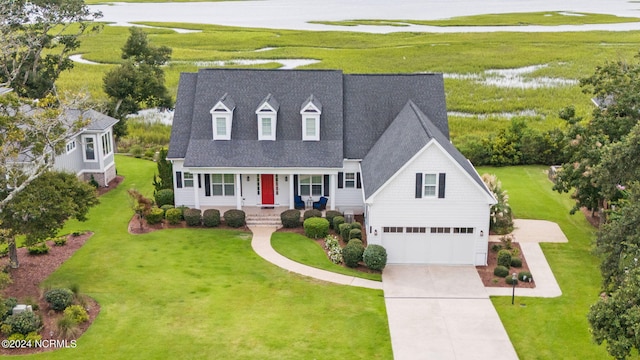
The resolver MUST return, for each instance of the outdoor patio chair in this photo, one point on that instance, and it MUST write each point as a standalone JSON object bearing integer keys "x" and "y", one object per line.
{"x": 320, "y": 204}
{"x": 298, "y": 203}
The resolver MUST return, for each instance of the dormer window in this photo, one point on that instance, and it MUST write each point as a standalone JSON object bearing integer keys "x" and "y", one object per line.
{"x": 267, "y": 113}
{"x": 310, "y": 111}
{"x": 222, "y": 118}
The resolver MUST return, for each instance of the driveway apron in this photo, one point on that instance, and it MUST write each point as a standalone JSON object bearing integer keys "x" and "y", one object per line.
{"x": 442, "y": 312}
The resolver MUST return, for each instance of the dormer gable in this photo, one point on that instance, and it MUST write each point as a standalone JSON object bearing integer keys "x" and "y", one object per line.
{"x": 267, "y": 114}
{"x": 222, "y": 118}
{"x": 310, "y": 112}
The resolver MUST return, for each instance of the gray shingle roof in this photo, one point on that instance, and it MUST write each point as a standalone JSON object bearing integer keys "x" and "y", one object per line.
{"x": 97, "y": 120}
{"x": 409, "y": 132}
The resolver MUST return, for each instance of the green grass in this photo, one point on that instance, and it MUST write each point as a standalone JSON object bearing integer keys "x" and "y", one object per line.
{"x": 148, "y": 136}
{"x": 306, "y": 251}
{"x": 547, "y": 18}
{"x": 552, "y": 328}
{"x": 203, "y": 293}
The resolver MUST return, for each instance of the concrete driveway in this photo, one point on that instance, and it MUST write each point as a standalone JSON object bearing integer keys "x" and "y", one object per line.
{"x": 442, "y": 312}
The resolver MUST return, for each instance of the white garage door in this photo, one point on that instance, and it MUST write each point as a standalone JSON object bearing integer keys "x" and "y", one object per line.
{"x": 427, "y": 248}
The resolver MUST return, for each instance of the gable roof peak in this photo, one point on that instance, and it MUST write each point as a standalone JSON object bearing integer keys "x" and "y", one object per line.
{"x": 311, "y": 101}
{"x": 226, "y": 101}
{"x": 269, "y": 101}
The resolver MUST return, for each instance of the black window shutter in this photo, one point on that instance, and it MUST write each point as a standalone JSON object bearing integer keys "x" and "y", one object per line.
{"x": 418, "y": 185}
{"x": 326, "y": 185}
{"x": 340, "y": 180}
{"x": 200, "y": 181}
{"x": 295, "y": 185}
{"x": 207, "y": 185}
{"x": 358, "y": 181}
{"x": 179, "y": 179}
{"x": 441, "y": 185}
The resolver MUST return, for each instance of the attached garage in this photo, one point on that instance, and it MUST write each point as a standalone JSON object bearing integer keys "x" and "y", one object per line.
{"x": 420, "y": 245}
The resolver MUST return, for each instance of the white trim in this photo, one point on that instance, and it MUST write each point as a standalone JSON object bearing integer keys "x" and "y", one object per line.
{"x": 272, "y": 126}
{"x": 71, "y": 143}
{"x": 108, "y": 150}
{"x": 220, "y": 111}
{"x": 95, "y": 148}
{"x": 424, "y": 185}
{"x": 263, "y": 170}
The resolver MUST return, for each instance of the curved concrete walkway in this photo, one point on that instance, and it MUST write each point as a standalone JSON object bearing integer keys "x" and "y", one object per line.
{"x": 261, "y": 244}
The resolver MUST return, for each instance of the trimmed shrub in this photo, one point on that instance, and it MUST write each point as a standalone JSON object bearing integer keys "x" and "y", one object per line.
{"x": 234, "y": 218}
{"x": 155, "y": 216}
{"x": 312, "y": 213}
{"x": 516, "y": 262}
{"x": 182, "y": 208}
{"x": 164, "y": 197}
{"x": 496, "y": 247}
{"x": 59, "y": 299}
{"x": 336, "y": 221}
{"x": 9, "y": 304}
{"x": 356, "y": 225}
{"x": 173, "y": 216}
{"x": 316, "y": 227}
{"x": 60, "y": 241}
{"x": 330, "y": 214}
{"x": 352, "y": 253}
{"x": 356, "y": 242}
{"x": 509, "y": 280}
{"x": 504, "y": 258}
{"x": 355, "y": 234}
{"x": 522, "y": 274}
{"x": 16, "y": 337}
{"x": 290, "y": 218}
{"x": 38, "y": 249}
{"x": 501, "y": 271}
{"x": 344, "y": 231}
{"x": 193, "y": 217}
{"x": 166, "y": 207}
{"x": 211, "y": 217}
{"x": 375, "y": 257}
{"x": 24, "y": 323}
{"x": 6, "y": 329}
{"x": 77, "y": 313}
{"x": 33, "y": 337}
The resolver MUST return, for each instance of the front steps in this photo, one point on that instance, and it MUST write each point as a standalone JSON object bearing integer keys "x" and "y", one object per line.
{"x": 264, "y": 220}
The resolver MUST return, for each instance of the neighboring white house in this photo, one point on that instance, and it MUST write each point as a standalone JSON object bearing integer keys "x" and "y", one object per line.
{"x": 377, "y": 145}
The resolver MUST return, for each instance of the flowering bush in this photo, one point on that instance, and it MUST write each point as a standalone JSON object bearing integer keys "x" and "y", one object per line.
{"x": 334, "y": 251}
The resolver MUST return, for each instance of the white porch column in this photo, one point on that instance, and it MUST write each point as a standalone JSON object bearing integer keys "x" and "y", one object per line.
{"x": 291, "y": 193}
{"x": 238, "y": 192}
{"x": 196, "y": 193}
{"x": 333, "y": 181}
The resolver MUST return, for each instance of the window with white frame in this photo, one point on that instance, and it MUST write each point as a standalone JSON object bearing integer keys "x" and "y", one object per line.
{"x": 310, "y": 185}
{"x": 106, "y": 144}
{"x": 266, "y": 129}
{"x": 430, "y": 185}
{"x": 222, "y": 118}
{"x": 349, "y": 180}
{"x": 310, "y": 111}
{"x": 187, "y": 179}
{"x": 223, "y": 184}
{"x": 267, "y": 118}
{"x": 89, "y": 153}
{"x": 71, "y": 145}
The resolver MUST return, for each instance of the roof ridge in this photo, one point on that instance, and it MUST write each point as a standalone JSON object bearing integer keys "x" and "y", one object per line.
{"x": 416, "y": 110}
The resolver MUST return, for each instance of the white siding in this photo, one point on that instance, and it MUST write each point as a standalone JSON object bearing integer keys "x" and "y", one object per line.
{"x": 464, "y": 205}
{"x": 350, "y": 198}
{"x": 183, "y": 196}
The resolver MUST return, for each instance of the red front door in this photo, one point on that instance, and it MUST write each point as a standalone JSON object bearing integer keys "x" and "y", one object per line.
{"x": 266, "y": 181}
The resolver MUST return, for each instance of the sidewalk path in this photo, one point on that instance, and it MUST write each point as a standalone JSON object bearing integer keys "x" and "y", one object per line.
{"x": 261, "y": 244}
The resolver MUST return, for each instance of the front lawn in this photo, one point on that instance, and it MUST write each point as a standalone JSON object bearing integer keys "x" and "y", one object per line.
{"x": 202, "y": 293}
{"x": 552, "y": 328}
{"x": 306, "y": 251}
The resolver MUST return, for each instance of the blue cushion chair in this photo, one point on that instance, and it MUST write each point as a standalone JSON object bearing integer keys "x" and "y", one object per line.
{"x": 298, "y": 203}
{"x": 320, "y": 204}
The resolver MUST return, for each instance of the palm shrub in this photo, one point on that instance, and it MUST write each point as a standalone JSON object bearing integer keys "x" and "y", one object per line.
{"x": 173, "y": 216}
{"x": 316, "y": 227}
{"x": 211, "y": 217}
{"x": 24, "y": 322}
{"x": 336, "y": 221}
{"x": 312, "y": 213}
{"x": 330, "y": 214}
{"x": 155, "y": 216}
{"x": 234, "y": 218}
{"x": 352, "y": 253}
{"x": 501, "y": 215}
{"x": 290, "y": 218}
{"x": 504, "y": 258}
{"x": 193, "y": 217}
{"x": 375, "y": 257}
{"x": 59, "y": 299}
{"x": 164, "y": 197}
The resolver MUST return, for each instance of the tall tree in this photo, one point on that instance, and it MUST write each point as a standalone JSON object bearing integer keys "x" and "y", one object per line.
{"x": 164, "y": 178}
{"x": 36, "y": 38}
{"x": 139, "y": 81}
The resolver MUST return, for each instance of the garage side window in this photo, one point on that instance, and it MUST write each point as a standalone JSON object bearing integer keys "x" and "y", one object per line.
{"x": 392, "y": 229}
{"x": 463, "y": 230}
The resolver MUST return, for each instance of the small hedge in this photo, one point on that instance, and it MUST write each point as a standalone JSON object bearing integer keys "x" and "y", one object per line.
{"x": 59, "y": 299}
{"x": 330, "y": 214}
{"x": 509, "y": 280}
{"x": 38, "y": 249}
{"x": 516, "y": 262}
{"x": 234, "y": 218}
{"x": 154, "y": 216}
{"x": 336, "y": 221}
{"x": 290, "y": 218}
{"x": 77, "y": 313}
{"x": 355, "y": 234}
{"x": 211, "y": 217}
{"x": 312, "y": 213}
{"x": 501, "y": 271}
{"x": 504, "y": 258}
{"x": 60, "y": 241}
{"x": 522, "y": 274}
{"x": 24, "y": 322}
{"x": 375, "y": 257}
{"x": 166, "y": 207}
{"x": 164, "y": 197}
{"x": 352, "y": 253}
{"x": 316, "y": 227}
{"x": 193, "y": 217}
{"x": 173, "y": 216}
{"x": 344, "y": 230}
{"x": 356, "y": 225}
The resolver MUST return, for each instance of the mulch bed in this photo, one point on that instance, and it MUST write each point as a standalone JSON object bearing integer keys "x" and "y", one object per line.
{"x": 490, "y": 280}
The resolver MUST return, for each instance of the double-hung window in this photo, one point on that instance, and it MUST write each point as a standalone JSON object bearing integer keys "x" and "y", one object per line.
{"x": 223, "y": 184}
{"x": 430, "y": 185}
{"x": 311, "y": 185}
{"x": 222, "y": 118}
{"x": 89, "y": 148}
{"x": 187, "y": 179}
{"x": 349, "y": 180}
{"x": 106, "y": 144}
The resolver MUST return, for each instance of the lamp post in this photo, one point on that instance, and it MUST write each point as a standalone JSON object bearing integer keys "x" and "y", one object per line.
{"x": 514, "y": 278}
